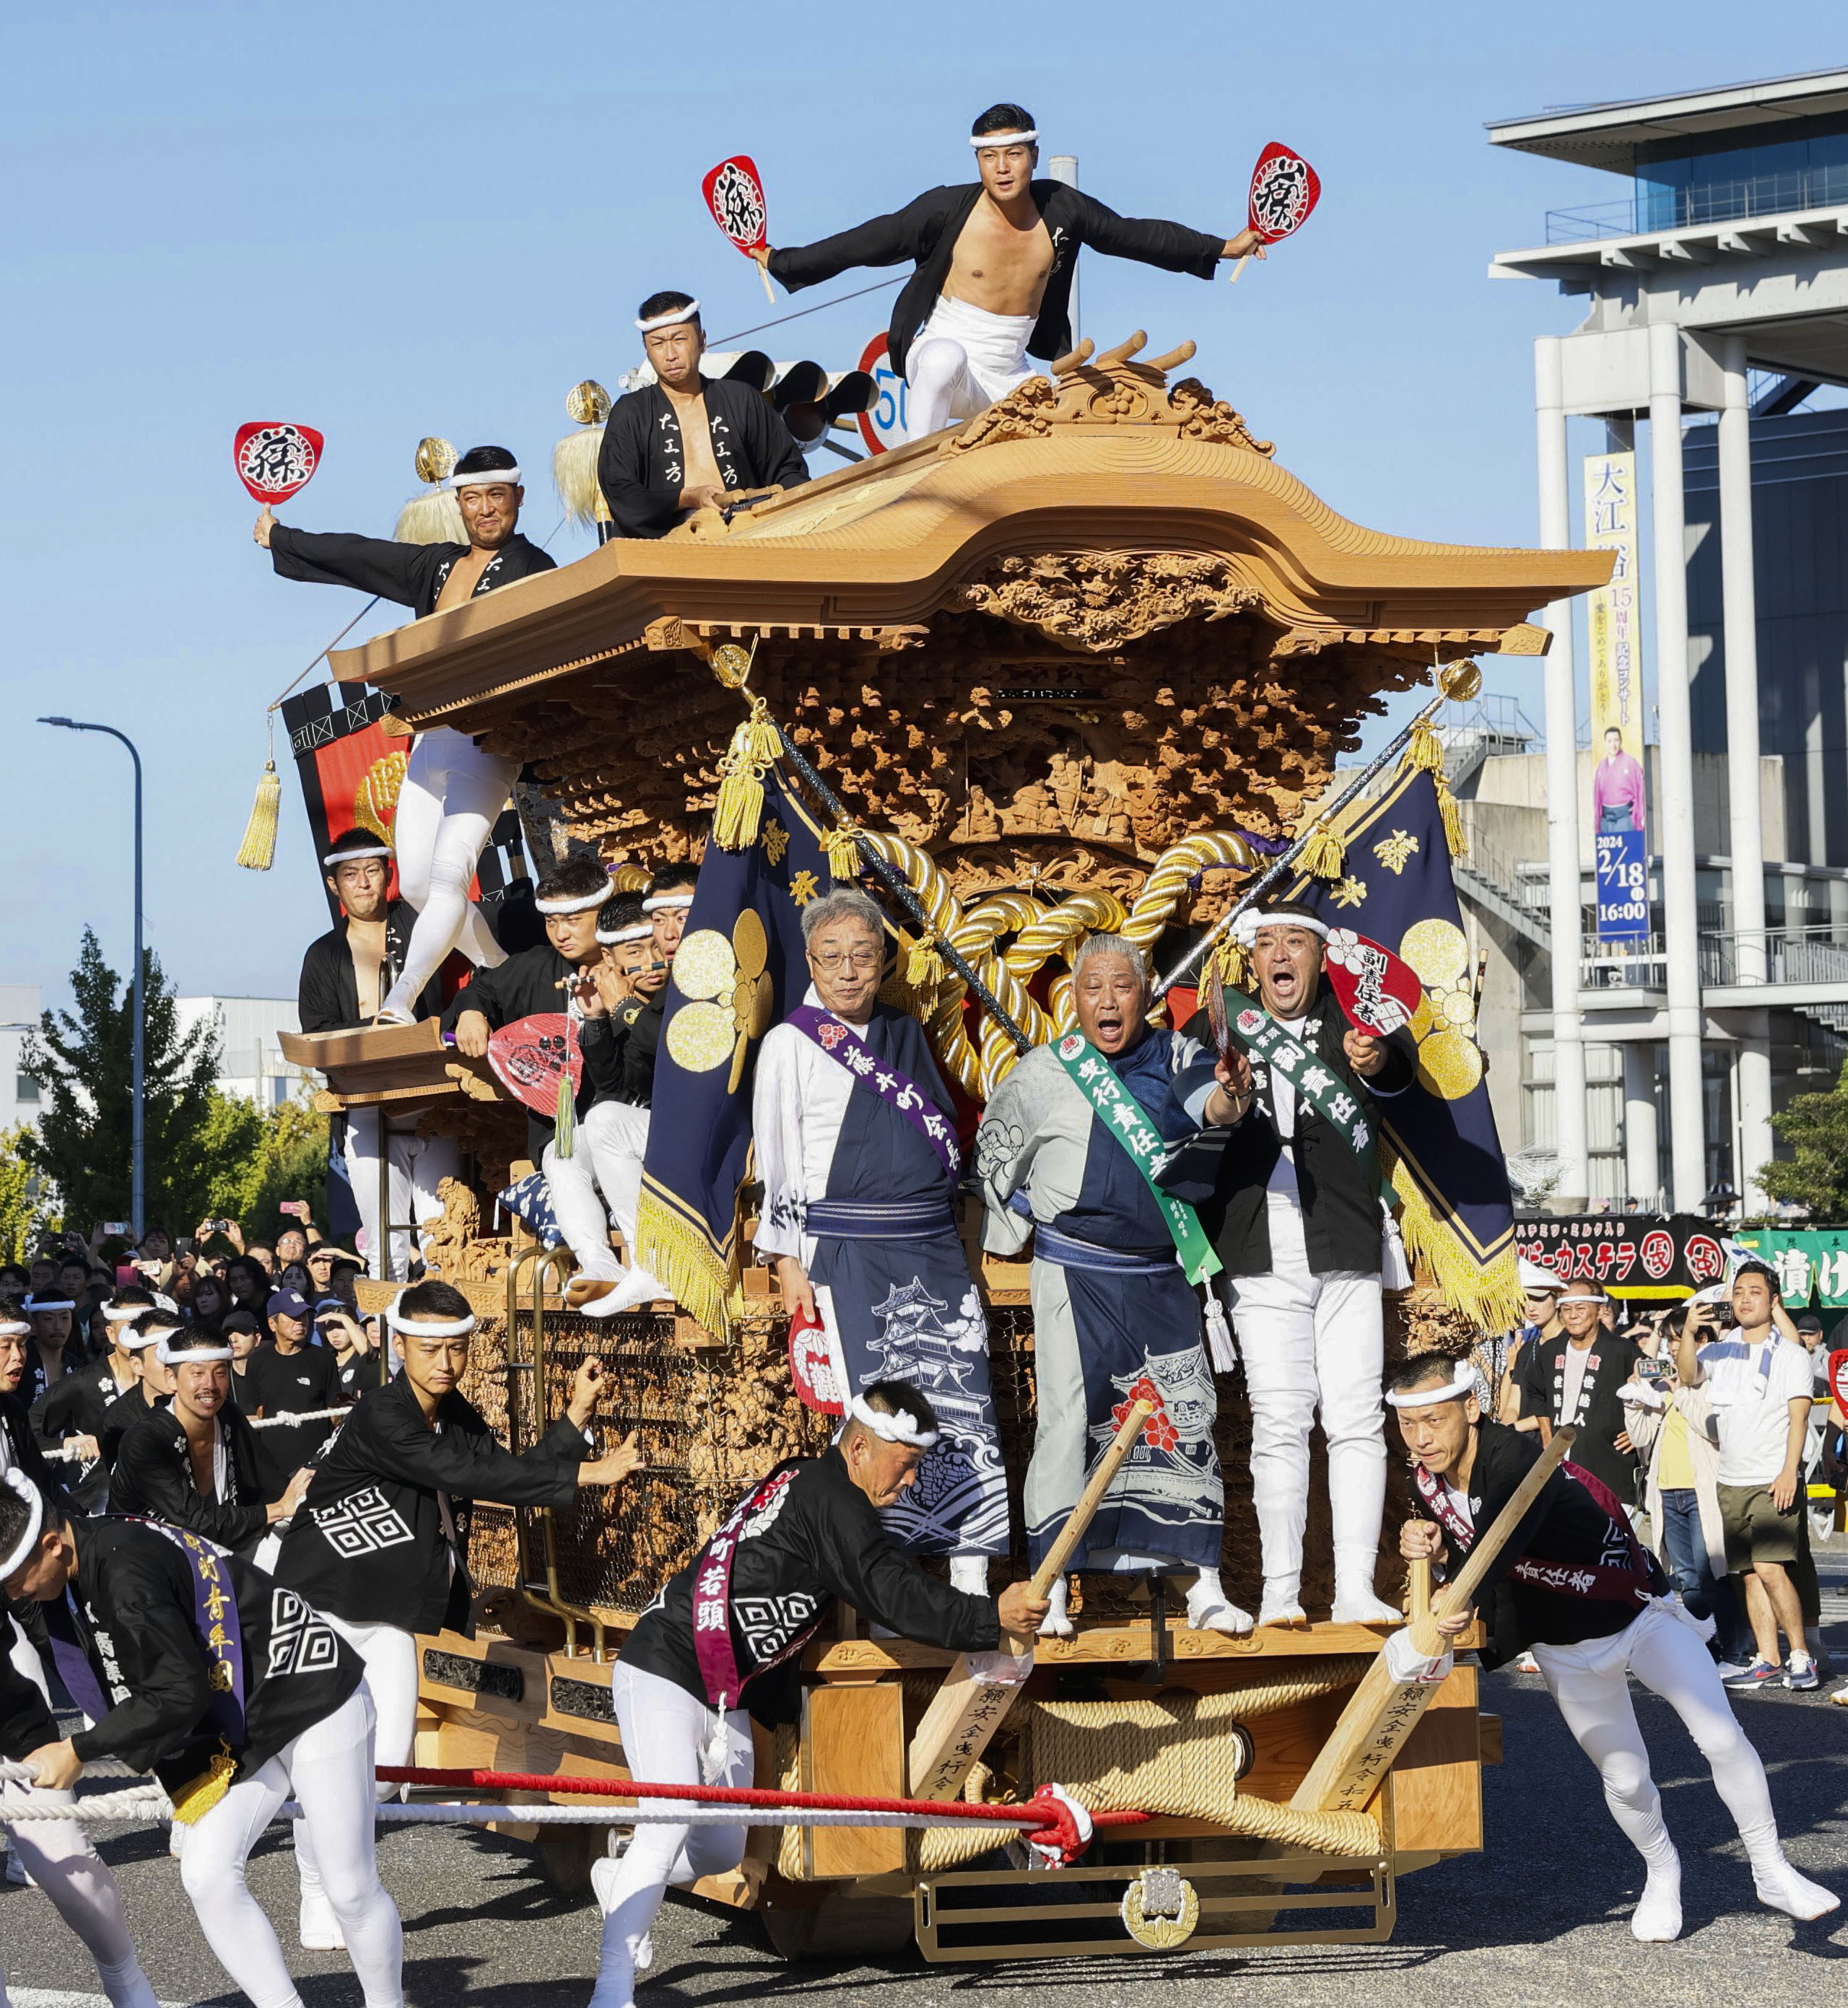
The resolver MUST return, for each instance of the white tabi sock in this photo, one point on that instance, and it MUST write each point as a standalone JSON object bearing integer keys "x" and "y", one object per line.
{"x": 1208, "y": 1608}
{"x": 1657, "y": 1918}
{"x": 1057, "y": 1624}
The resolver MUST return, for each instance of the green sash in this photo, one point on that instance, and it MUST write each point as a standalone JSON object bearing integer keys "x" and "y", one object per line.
{"x": 1326, "y": 1092}
{"x": 1128, "y": 1123}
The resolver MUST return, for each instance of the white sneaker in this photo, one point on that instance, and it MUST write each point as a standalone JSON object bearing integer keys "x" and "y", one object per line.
{"x": 1527, "y": 1663}
{"x": 319, "y": 1928}
{"x": 1730, "y": 1670}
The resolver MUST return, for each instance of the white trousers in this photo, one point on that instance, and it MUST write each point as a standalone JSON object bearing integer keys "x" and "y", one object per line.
{"x": 962, "y": 360}
{"x": 1310, "y": 1343}
{"x": 607, "y": 1156}
{"x": 419, "y": 1165}
{"x": 665, "y": 1735}
{"x": 452, "y": 792}
{"x": 391, "y": 1657}
{"x": 1590, "y": 1683}
{"x": 328, "y": 1768}
{"x": 57, "y": 1855}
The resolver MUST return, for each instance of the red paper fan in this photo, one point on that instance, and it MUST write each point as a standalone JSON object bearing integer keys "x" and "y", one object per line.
{"x": 812, "y": 1366}
{"x": 1838, "y": 1381}
{"x": 528, "y": 1055}
{"x": 1377, "y": 991}
{"x": 1284, "y": 189}
{"x": 274, "y": 458}
{"x": 734, "y": 192}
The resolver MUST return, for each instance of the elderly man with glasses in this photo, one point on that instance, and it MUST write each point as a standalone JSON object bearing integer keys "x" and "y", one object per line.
{"x": 857, "y": 1150}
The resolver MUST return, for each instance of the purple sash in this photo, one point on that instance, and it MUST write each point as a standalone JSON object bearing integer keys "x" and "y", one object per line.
{"x": 215, "y": 1620}
{"x": 1632, "y": 1584}
{"x": 891, "y": 1084}
{"x": 712, "y": 1600}
{"x": 73, "y": 1663}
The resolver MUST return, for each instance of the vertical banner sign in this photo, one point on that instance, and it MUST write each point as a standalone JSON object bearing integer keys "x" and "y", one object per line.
{"x": 1619, "y": 800}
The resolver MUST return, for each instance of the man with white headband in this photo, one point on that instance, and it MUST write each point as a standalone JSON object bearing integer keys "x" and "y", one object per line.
{"x": 198, "y": 1464}
{"x": 453, "y": 790}
{"x": 50, "y": 1315}
{"x": 346, "y": 975}
{"x": 723, "y": 1643}
{"x": 192, "y": 1664}
{"x": 687, "y": 441}
{"x": 70, "y": 1417}
{"x": 621, "y": 1000}
{"x": 1286, "y": 1180}
{"x": 1577, "y": 1378}
{"x": 995, "y": 262}
{"x": 380, "y": 1546}
{"x": 549, "y": 978}
{"x": 1575, "y": 1586}
{"x": 153, "y": 1388}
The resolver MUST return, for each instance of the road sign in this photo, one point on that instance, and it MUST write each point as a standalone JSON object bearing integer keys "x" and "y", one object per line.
{"x": 883, "y": 427}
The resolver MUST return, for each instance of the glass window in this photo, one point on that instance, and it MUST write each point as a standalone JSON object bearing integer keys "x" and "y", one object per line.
{"x": 25, "y": 1088}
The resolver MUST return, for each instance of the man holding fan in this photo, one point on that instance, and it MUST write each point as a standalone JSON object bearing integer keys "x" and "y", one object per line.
{"x": 995, "y": 259}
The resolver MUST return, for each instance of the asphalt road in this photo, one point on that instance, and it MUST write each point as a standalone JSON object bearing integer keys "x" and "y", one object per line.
{"x": 1540, "y": 1916}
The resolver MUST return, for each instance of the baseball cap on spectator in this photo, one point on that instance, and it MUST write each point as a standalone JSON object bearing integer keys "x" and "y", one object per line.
{"x": 241, "y": 1321}
{"x": 287, "y": 1303}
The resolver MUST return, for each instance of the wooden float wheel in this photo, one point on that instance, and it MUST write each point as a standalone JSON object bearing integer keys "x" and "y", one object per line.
{"x": 843, "y": 1925}
{"x": 566, "y": 1853}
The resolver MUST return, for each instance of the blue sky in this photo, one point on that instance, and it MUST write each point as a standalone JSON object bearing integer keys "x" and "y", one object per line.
{"x": 388, "y": 221}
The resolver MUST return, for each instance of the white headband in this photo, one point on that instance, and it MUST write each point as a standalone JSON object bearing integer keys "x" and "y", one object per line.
{"x": 978, "y": 140}
{"x": 126, "y": 1313}
{"x": 1580, "y": 1295}
{"x": 426, "y": 1328}
{"x": 134, "y": 1341}
{"x": 189, "y": 1355}
{"x": 673, "y": 318}
{"x": 901, "y": 1428}
{"x": 581, "y": 904}
{"x": 15, "y": 1328}
{"x": 640, "y": 931}
{"x": 35, "y": 1521}
{"x": 1245, "y": 929}
{"x": 487, "y": 477}
{"x": 1462, "y": 1381}
{"x": 49, "y": 1304}
{"x": 656, "y": 901}
{"x": 335, "y": 859}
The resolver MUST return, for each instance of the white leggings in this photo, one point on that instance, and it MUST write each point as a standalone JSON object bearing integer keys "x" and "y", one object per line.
{"x": 611, "y": 1141}
{"x": 419, "y": 1165}
{"x": 665, "y": 1732}
{"x": 328, "y": 1768}
{"x": 963, "y": 359}
{"x": 1589, "y": 1682}
{"x": 58, "y": 1856}
{"x": 391, "y": 1657}
{"x": 452, "y": 792}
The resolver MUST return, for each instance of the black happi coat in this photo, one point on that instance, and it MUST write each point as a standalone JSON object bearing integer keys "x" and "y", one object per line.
{"x": 1600, "y": 1416}
{"x": 369, "y": 1546}
{"x": 127, "y": 1412}
{"x": 327, "y": 996}
{"x": 23, "y": 1452}
{"x": 824, "y": 1541}
{"x": 75, "y": 1407}
{"x": 152, "y": 1478}
{"x": 135, "y": 1591}
{"x": 641, "y": 466}
{"x": 526, "y": 986}
{"x": 626, "y": 1042}
{"x": 1565, "y": 1524}
{"x": 925, "y": 231}
{"x": 1225, "y": 1173}
{"x": 411, "y": 574}
{"x": 34, "y": 1387}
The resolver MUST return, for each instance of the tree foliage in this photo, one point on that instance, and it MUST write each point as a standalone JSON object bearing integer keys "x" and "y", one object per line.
{"x": 1816, "y": 1128}
{"x": 27, "y": 1214}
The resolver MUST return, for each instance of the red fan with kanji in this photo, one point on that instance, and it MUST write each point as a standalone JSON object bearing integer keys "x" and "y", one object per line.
{"x": 812, "y": 1366}
{"x": 1284, "y": 189}
{"x": 734, "y": 192}
{"x": 274, "y": 458}
{"x": 1838, "y": 1381}
{"x": 532, "y": 1055}
{"x": 1379, "y": 992}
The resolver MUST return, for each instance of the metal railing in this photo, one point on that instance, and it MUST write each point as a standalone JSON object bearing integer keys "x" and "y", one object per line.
{"x": 1709, "y": 202}
{"x": 1791, "y": 955}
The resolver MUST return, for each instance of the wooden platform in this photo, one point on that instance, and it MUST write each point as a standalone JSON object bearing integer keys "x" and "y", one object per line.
{"x": 387, "y": 1063}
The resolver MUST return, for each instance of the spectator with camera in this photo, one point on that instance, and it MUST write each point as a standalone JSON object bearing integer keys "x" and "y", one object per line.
{"x": 1756, "y": 1381}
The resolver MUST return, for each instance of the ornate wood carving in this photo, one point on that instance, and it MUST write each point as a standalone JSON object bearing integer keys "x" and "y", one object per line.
{"x": 1100, "y": 599}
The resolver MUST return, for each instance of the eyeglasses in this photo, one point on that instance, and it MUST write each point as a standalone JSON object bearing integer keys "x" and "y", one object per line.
{"x": 860, "y": 959}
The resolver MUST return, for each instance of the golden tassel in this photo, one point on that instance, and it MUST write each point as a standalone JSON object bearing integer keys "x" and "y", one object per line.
{"x": 739, "y": 809}
{"x": 257, "y": 852}
{"x": 1323, "y": 856}
{"x": 924, "y": 968}
{"x": 1231, "y": 961}
{"x": 1452, "y": 816}
{"x": 843, "y": 852}
{"x": 196, "y": 1797}
{"x": 702, "y": 1282}
{"x": 564, "y": 1118}
{"x": 1426, "y": 750}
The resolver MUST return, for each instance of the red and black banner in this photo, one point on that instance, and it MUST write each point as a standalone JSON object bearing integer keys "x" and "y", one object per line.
{"x": 1627, "y": 1254}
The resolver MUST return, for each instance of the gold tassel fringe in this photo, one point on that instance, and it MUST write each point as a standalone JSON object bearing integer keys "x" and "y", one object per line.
{"x": 196, "y": 1797}
{"x": 739, "y": 808}
{"x": 1447, "y": 808}
{"x": 843, "y": 852}
{"x": 574, "y": 473}
{"x": 434, "y": 517}
{"x": 1230, "y": 960}
{"x": 565, "y": 1118}
{"x": 1489, "y": 1296}
{"x": 703, "y": 1285}
{"x": 1425, "y": 750}
{"x": 1323, "y": 856}
{"x": 257, "y": 852}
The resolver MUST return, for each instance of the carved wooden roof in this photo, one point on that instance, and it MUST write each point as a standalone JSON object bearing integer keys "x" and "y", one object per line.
{"x": 1095, "y": 507}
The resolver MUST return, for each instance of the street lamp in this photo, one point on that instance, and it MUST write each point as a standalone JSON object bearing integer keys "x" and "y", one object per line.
{"x": 137, "y": 1144}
